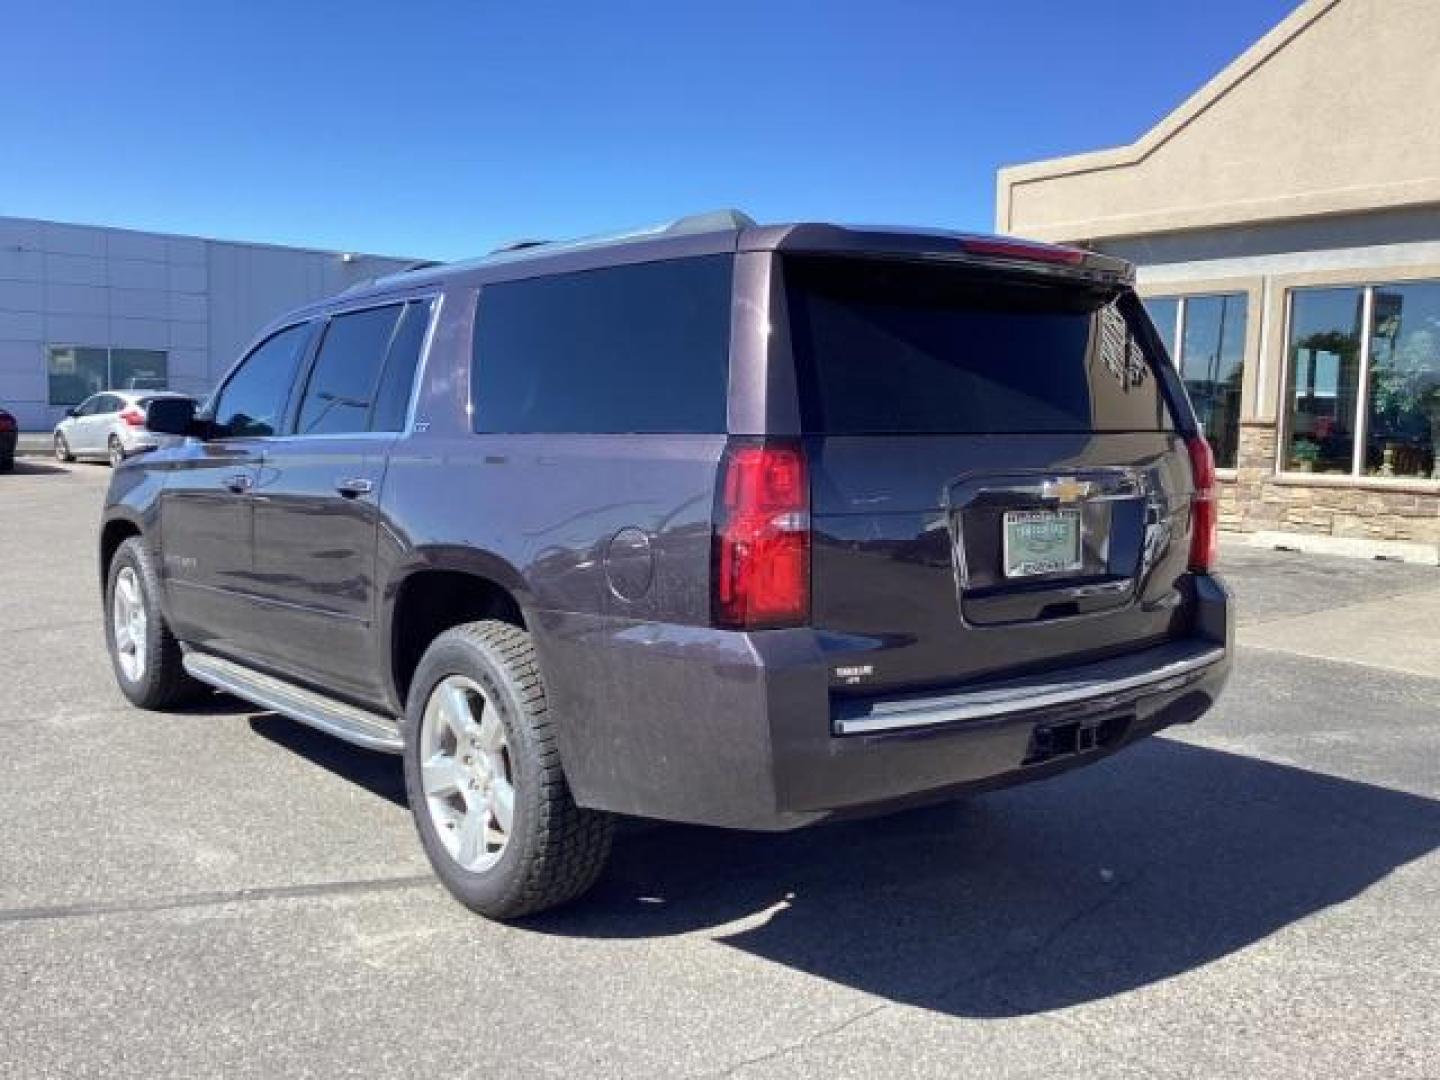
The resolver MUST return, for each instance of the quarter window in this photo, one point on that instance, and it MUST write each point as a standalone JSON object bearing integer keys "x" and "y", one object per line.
{"x": 251, "y": 402}
{"x": 641, "y": 348}
{"x": 341, "y": 389}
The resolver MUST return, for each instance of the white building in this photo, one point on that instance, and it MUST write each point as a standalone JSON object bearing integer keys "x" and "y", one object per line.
{"x": 84, "y": 308}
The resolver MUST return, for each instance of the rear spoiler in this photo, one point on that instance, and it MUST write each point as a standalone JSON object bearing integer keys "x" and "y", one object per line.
{"x": 1004, "y": 252}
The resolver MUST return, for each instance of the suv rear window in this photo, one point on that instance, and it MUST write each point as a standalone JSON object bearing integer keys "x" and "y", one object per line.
{"x": 887, "y": 347}
{"x": 641, "y": 348}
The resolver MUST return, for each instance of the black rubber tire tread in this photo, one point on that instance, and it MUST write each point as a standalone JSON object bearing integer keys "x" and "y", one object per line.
{"x": 558, "y": 850}
{"x": 164, "y": 683}
{"x": 7, "y": 463}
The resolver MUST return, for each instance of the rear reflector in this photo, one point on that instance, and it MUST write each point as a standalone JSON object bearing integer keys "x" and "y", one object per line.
{"x": 1019, "y": 249}
{"x": 7, "y": 422}
{"x": 762, "y": 537}
{"x": 133, "y": 416}
{"x": 1205, "y": 507}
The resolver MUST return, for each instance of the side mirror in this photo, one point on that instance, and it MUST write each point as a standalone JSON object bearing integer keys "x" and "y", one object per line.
{"x": 172, "y": 416}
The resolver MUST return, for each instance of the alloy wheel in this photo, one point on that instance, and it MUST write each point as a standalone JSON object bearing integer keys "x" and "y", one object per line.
{"x": 467, "y": 773}
{"x": 130, "y": 622}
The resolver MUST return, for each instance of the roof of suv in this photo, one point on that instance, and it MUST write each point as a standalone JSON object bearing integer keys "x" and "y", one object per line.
{"x": 720, "y": 231}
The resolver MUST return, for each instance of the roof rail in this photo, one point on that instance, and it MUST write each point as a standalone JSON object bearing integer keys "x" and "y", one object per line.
{"x": 711, "y": 221}
{"x": 692, "y": 224}
{"x": 408, "y": 268}
{"x": 517, "y": 245}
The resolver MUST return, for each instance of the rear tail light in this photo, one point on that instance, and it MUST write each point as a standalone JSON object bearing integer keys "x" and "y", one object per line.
{"x": 133, "y": 416}
{"x": 7, "y": 422}
{"x": 1205, "y": 509}
{"x": 762, "y": 537}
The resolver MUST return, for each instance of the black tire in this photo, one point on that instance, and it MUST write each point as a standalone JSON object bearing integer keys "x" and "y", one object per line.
{"x": 556, "y": 850}
{"x": 7, "y": 463}
{"x": 162, "y": 683}
{"x": 115, "y": 451}
{"x": 62, "y": 449}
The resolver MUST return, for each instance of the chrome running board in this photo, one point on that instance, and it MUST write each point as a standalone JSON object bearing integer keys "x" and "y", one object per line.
{"x": 359, "y": 726}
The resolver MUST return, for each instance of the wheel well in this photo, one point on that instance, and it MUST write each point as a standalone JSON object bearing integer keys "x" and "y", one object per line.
{"x": 112, "y": 536}
{"x": 431, "y": 602}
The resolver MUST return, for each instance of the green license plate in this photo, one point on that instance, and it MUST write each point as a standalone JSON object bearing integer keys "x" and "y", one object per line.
{"x": 1041, "y": 542}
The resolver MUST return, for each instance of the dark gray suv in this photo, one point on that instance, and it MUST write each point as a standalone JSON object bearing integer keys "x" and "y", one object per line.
{"x": 713, "y": 522}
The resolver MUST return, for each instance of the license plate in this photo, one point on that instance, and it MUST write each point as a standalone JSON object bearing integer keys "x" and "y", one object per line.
{"x": 1041, "y": 542}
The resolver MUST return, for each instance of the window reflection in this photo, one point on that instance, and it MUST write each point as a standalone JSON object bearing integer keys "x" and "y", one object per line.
{"x": 1324, "y": 379}
{"x": 1213, "y": 365}
{"x": 1163, "y": 311}
{"x": 1403, "y": 417}
{"x": 1210, "y": 356}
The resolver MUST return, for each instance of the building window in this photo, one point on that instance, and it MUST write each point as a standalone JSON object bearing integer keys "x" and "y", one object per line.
{"x": 1209, "y": 331}
{"x": 1363, "y": 386}
{"x": 77, "y": 371}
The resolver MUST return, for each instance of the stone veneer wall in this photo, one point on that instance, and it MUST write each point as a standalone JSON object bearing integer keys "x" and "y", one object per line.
{"x": 1259, "y": 500}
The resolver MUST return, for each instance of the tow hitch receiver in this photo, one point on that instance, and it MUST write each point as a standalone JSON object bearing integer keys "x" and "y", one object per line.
{"x": 1070, "y": 737}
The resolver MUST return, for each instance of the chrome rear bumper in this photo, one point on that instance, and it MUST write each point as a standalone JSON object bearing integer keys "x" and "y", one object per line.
{"x": 1108, "y": 682}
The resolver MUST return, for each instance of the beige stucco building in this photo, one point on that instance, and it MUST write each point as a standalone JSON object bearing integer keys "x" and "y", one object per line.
{"x": 1286, "y": 225}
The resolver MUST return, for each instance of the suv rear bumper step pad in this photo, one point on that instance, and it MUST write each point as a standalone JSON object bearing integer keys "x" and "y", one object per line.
{"x": 1107, "y": 682}
{"x": 354, "y": 725}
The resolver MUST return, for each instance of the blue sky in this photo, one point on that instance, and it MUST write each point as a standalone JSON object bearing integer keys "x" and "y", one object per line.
{"x": 440, "y": 129}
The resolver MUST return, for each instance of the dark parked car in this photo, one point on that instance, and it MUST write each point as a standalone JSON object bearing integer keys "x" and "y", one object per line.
{"x": 718, "y": 523}
{"x": 9, "y": 436}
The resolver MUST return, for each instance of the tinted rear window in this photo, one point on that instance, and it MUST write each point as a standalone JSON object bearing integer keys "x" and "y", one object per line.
{"x": 640, "y": 348}
{"x": 900, "y": 348}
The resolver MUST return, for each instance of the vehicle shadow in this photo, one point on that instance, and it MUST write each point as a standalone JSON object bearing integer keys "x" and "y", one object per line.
{"x": 1101, "y": 881}
{"x": 1159, "y": 861}
{"x": 25, "y": 466}
{"x": 380, "y": 774}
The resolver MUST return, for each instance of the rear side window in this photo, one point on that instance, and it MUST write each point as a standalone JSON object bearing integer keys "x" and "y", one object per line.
{"x": 392, "y": 397}
{"x": 341, "y": 387}
{"x": 906, "y": 348}
{"x": 641, "y": 348}
{"x": 250, "y": 404}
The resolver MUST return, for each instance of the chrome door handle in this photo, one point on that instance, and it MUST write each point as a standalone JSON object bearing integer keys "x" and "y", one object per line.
{"x": 239, "y": 482}
{"x": 354, "y": 486}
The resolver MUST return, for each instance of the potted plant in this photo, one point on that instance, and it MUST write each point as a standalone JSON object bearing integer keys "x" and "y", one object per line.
{"x": 1304, "y": 453}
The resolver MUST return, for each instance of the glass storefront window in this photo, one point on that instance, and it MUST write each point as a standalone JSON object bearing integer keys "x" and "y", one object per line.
{"x": 1322, "y": 387}
{"x": 1212, "y": 364}
{"x": 77, "y": 371}
{"x": 138, "y": 369}
{"x": 1403, "y": 417}
{"x": 1210, "y": 355}
{"x": 1383, "y": 340}
{"x": 1164, "y": 312}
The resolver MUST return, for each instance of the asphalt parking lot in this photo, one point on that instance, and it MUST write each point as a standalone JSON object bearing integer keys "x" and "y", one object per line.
{"x": 223, "y": 892}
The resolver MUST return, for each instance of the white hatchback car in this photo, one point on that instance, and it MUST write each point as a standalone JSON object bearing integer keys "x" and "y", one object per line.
{"x": 110, "y": 425}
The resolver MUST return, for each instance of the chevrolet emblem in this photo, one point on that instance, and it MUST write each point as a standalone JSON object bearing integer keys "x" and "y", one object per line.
{"x": 1066, "y": 490}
